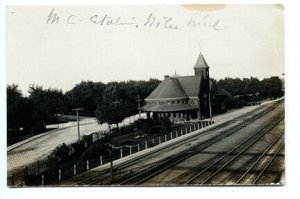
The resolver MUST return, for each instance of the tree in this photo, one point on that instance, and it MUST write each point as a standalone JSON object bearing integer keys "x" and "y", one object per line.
{"x": 233, "y": 86}
{"x": 115, "y": 105}
{"x": 272, "y": 87}
{"x": 252, "y": 86}
{"x": 46, "y": 103}
{"x": 18, "y": 110}
{"x": 126, "y": 93}
{"x": 85, "y": 95}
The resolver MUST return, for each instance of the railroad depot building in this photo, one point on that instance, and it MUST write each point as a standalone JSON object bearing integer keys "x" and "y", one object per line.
{"x": 183, "y": 98}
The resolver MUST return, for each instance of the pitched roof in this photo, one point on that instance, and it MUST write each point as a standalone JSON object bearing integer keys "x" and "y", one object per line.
{"x": 190, "y": 84}
{"x": 201, "y": 63}
{"x": 216, "y": 90}
{"x": 170, "y": 88}
{"x": 184, "y": 87}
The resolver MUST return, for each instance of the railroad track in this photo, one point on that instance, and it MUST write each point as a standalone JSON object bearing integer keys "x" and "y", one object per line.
{"x": 259, "y": 179}
{"x": 148, "y": 173}
{"x": 211, "y": 170}
{"x": 119, "y": 169}
{"x": 278, "y": 144}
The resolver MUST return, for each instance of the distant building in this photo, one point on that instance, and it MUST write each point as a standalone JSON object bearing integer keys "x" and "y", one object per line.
{"x": 184, "y": 98}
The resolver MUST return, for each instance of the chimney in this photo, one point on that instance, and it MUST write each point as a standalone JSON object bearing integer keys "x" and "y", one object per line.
{"x": 166, "y": 77}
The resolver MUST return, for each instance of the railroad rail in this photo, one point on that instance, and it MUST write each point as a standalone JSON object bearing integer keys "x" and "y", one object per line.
{"x": 148, "y": 173}
{"x": 259, "y": 159}
{"x": 119, "y": 169}
{"x": 238, "y": 151}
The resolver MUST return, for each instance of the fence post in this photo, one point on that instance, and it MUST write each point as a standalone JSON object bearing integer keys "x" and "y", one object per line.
{"x": 190, "y": 128}
{"x": 74, "y": 169}
{"x": 87, "y": 165}
{"x": 171, "y": 135}
{"x": 146, "y": 144}
{"x": 43, "y": 180}
{"x": 165, "y": 137}
{"x": 59, "y": 175}
{"x": 121, "y": 153}
{"x": 138, "y": 146}
{"x": 130, "y": 150}
{"x": 152, "y": 140}
{"x": 181, "y": 132}
{"x": 101, "y": 160}
{"x": 159, "y": 140}
{"x": 176, "y": 133}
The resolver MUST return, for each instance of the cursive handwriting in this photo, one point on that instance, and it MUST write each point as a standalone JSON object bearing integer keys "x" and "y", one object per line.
{"x": 108, "y": 20}
{"x": 165, "y": 22}
{"x": 54, "y": 18}
{"x": 149, "y": 21}
{"x": 205, "y": 22}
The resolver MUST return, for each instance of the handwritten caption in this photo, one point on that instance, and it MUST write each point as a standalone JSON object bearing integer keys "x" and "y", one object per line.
{"x": 149, "y": 21}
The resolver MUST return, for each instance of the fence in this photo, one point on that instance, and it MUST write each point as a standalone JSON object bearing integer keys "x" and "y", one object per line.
{"x": 39, "y": 174}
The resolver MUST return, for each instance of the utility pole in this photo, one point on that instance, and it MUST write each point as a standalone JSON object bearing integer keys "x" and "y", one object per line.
{"x": 139, "y": 105}
{"x": 110, "y": 148}
{"x": 115, "y": 103}
{"x": 111, "y": 164}
{"x": 209, "y": 102}
{"x": 77, "y": 115}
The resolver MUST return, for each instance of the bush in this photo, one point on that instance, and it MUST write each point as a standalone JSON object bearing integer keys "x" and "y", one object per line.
{"x": 158, "y": 126}
{"x": 92, "y": 152}
{"x": 77, "y": 147}
{"x": 60, "y": 153}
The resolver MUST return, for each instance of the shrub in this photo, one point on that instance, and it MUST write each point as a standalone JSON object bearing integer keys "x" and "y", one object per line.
{"x": 92, "y": 152}
{"x": 151, "y": 126}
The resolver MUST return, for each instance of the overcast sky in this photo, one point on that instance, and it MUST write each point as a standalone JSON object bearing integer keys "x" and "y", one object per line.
{"x": 146, "y": 42}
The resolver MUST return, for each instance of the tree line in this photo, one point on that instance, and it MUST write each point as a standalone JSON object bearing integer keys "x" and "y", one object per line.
{"x": 267, "y": 88}
{"x": 110, "y": 102}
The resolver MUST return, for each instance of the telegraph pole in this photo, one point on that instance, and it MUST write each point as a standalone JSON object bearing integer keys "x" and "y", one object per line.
{"x": 139, "y": 105}
{"x": 77, "y": 115}
{"x": 209, "y": 102}
{"x": 111, "y": 163}
{"x": 110, "y": 150}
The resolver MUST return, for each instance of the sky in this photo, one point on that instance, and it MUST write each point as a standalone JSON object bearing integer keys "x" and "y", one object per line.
{"x": 58, "y": 47}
